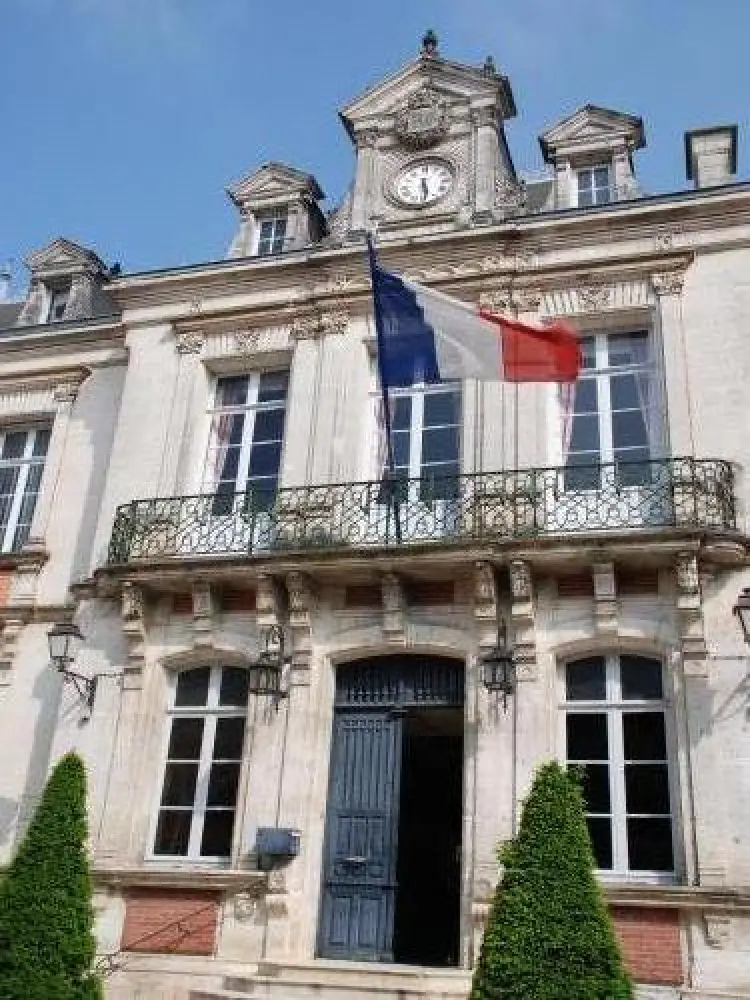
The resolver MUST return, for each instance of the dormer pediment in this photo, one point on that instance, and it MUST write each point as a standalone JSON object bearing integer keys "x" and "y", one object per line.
{"x": 273, "y": 184}
{"x": 63, "y": 257}
{"x": 448, "y": 81}
{"x": 592, "y": 129}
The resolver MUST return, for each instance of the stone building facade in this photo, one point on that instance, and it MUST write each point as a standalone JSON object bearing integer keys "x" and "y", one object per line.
{"x": 191, "y": 475}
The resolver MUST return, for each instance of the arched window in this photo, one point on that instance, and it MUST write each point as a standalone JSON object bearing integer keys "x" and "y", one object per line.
{"x": 615, "y": 732}
{"x": 206, "y": 733}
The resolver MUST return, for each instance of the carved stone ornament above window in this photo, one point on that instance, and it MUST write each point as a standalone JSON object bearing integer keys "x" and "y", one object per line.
{"x": 189, "y": 342}
{"x": 422, "y": 120}
{"x": 668, "y": 282}
{"x": 592, "y": 298}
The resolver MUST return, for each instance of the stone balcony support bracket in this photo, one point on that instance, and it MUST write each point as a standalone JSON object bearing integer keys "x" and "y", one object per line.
{"x": 522, "y": 619}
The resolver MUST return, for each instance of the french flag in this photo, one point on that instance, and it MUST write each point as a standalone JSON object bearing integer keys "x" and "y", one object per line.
{"x": 424, "y": 335}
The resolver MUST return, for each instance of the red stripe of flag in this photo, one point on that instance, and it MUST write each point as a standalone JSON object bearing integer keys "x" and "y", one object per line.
{"x": 545, "y": 353}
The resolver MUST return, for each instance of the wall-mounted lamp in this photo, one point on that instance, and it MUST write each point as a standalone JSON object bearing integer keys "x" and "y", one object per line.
{"x": 265, "y": 675}
{"x": 64, "y": 639}
{"x": 742, "y": 610}
{"x": 499, "y": 668}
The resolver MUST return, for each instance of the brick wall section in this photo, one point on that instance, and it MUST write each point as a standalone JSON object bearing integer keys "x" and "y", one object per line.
{"x": 650, "y": 940}
{"x": 5, "y": 578}
{"x": 170, "y": 922}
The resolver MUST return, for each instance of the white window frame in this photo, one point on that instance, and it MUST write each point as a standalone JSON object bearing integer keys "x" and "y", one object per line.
{"x": 274, "y": 218}
{"x": 591, "y": 187}
{"x": 250, "y": 409}
{"x": 24, "y": 462}
{"x": 601, "y": 374}
{"x": 614, "y": 707}
{"x": 210, "y": 713}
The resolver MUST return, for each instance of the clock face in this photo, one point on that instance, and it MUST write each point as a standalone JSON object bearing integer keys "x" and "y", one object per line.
{"x": 423, "y": 183}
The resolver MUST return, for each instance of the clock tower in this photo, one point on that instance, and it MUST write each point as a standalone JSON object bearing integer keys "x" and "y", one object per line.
{"x": 431, "y": 150}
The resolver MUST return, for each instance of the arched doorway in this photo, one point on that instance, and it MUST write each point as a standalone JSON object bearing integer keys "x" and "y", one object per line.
{"x": 392, "y": 854}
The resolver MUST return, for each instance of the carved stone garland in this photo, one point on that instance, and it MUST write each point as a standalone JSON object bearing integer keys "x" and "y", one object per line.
{"x": 522, "y": 618}
{"x": 605, "y": 598}
{"x": 301, "y": 606}
{"x": 394, "y": 608}
{"x": 133, "y": 612}
{"x": 690, "y": 614}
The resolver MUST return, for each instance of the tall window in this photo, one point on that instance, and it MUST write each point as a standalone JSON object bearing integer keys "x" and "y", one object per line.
{"x": 615, "y": 414}
{"x": 594, "y": 186}
{"x": 426, "y": 425}
{"x": 247, "y": 432}
{"x": 58, "y": 303}
{"x": 22, "y": 454}
{"x": 615, "y": 734}
{"x": 272, "y": 235}
{"x": 204, "y": 752}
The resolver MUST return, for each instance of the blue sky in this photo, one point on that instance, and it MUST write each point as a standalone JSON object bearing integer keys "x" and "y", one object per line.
{"x": 123, "y": 120}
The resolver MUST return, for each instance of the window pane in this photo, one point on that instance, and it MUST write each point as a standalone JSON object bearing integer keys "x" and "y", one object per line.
{"x": 233, "y": 687}
{"x": 628, "y": 348}
{"x": 272, "y": 386}
{"x": 646, "y": 788}
{"x": 269, "y": 425}
{"x": 14, "y": 444}
{"x": 8, "y": 479}
{"x": 230, "y": 734}
{"x": 222, "y": 784}
{"x": 601, "y": 176}
{"x": 179, "y": 785}
{"x": 586, "y": 680}
{"x": 217, "y": 833}
{"x": 643, "y": 736}
{"x": 192, "y": 687}
{"x": 185, "y": 739}
{"x": 441, "y": 408}
{"x": 265, "y": 459}
{"x": 650, "y": 845}
{"x": 583, "y": 472}
{"x": 401, "y": 449}
{"x": 624, "y": 392}
{"x": 173, "y": 832}
{"x": 41, "y": 443}
{"x": 587, "y": 737}
{"x": 595, "y": 787}
{"x": 588, "y": 352}
{"x": 586, "y": 398}
{"x": 640, "y": 678}
{"x": 585, "y": 436}
{"x": 439, "y": 444}
{"x": 628, "y": 429}
{"x": 634, "y": 466}
{"x": 231, "y": 391}
{"x": 401, "y": 413}
{"x": 600, "y": 832}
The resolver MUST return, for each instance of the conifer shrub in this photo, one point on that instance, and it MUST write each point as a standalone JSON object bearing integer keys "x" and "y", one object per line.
{"x": 549, "y": 935}
{"x": 47, "y": 945}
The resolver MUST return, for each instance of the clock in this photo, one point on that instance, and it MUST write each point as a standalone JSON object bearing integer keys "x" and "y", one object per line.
{"x": 423, "y": 182}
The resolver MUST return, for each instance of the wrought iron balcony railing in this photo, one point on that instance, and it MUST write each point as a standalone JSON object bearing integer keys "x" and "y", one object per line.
{"x": 482, "y": 507}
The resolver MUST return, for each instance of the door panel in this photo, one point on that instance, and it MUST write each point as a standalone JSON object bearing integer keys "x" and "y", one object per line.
{"x": 361, "y": 843}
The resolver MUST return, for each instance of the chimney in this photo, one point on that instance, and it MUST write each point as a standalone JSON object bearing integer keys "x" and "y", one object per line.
{"x": 711, "y": 155}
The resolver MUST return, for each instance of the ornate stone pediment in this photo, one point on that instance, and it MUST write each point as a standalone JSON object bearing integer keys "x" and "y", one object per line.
{"x": 273, "y": 181}
{"x": 592, "y": 127}
{"x": 63, "y": 256}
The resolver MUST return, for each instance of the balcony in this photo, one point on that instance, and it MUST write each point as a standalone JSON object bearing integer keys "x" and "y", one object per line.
{"x": 483, "y": 508}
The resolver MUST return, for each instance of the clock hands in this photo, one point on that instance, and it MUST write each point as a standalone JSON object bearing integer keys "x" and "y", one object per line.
{"x": 424, "y": 189}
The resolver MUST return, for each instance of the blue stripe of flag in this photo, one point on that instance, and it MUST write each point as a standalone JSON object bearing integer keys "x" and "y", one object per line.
{"x": 407, "y": 347}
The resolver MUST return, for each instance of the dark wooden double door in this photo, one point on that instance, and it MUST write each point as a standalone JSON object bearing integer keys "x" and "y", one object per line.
{"x": 391, "y": 883}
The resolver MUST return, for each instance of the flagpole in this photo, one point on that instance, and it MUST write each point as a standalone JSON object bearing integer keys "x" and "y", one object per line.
{"x": 390, "y": 471}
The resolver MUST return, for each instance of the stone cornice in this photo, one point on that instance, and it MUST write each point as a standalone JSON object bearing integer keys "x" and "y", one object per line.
{"x": 102, "y": 331}
{"x": 209, "y": 879}
{"x": 679, "y": 896}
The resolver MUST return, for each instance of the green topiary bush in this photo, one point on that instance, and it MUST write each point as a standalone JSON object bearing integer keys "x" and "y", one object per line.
{"x": 549, "y": 934}
{"x": 46, "y": 919}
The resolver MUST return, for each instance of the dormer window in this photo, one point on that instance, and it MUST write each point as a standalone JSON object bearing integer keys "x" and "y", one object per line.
{"x": 272, "y": 235}
{"x": 594, "y": 186}
{"x": 58, "y": 303}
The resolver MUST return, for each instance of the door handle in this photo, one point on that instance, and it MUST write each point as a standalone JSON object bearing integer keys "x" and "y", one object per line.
{"x": 356, "y": 859}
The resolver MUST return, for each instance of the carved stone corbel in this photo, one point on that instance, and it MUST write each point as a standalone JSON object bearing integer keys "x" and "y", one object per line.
{"x": 668, "y": 282}
{"x": 485, "y": 604}
{"x": 301, "y": 605}
{"x": 11, "y": 629}
{"x": 522, "y": 619}
{"x": 605, "y": 598}
{"x": 394, "y": 608}
{"x": 267, "y": 604}
{"x": 496, "y": 300}
{"x": 189, "y": 342}
{"x": 593, "y": 298}
{"x": 133, "y": 610}
{"x": 690, "y": 615}
{"x": 527, "y": 300}
{"x": 718, "y": 928}
{"x": 204, "y": 613}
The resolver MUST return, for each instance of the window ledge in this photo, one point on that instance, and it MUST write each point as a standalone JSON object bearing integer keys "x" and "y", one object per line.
{"x": 218, "y": 879}
{"x": 32, "y": 556}
{"x": 695, "y": 897}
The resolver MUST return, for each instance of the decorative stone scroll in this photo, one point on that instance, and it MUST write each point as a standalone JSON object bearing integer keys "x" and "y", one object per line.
{"x": 605, "y": 598}
{"x": 668, "y": 282}
{"x": 301, "y": 605}
{"x": 11, "y": 630}
{"x": 718, "y": 927}
{"x": 133, "y": 611}
{"x": 189, "y": 342}
{"x": 267, "y": 604}
{"x": 522, "y": 619}
{"x": 485, "y": 604}
{"x": 394, "y": 608}
{"x": 204, "y": 613}
{"x": 690, "y": 614}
